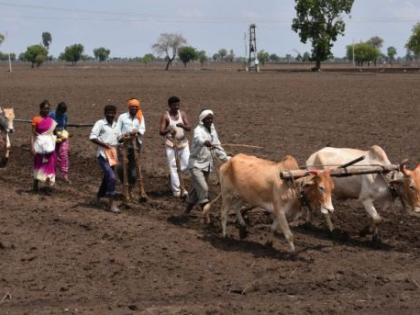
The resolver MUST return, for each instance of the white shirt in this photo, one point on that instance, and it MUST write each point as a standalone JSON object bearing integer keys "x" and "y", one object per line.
{"x": 201, "y": 156}
{"x": 126, "y": 124}
{"x": 106, "y": 133}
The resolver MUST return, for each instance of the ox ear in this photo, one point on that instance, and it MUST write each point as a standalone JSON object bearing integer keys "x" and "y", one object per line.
{"x": 404, "y": 169}
{"x": 314, "y": 172}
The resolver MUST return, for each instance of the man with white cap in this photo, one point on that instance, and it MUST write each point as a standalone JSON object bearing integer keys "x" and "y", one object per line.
{"x": 205, "y": 143}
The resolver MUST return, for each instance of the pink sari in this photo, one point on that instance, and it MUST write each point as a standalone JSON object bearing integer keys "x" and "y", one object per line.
{"x": 44, "y": 164}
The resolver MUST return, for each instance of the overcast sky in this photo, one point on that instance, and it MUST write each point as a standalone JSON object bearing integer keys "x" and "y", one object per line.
{"x": 130, "y": 27}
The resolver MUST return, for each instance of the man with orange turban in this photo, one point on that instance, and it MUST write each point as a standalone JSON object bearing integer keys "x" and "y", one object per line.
{"x": 131, "y": 124}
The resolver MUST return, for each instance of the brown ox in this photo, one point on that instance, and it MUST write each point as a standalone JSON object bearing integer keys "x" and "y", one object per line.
{"x": 7, "y": 115}
{"x": 257, "y": 182}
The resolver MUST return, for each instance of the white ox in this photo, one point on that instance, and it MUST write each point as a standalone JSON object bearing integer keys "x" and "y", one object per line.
{"x": 7, "y": 115}
{"x": 257, "y": 182}
{"x": 369, "y": 188}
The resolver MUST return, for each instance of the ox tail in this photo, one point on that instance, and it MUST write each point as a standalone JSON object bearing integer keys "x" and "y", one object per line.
{"x": 207, "y": 208}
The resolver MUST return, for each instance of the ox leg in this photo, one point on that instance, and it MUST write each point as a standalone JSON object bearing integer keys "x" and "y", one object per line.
{"x": 282, "y": 220}
{"x": 273, "y": 228}
{"x": 242, "y": 224}
{"x": 376, "y": 218}
{"x": 308, "y": 216}
{"x": 329, "y": 222}
{"x": 226, "y": 203}
{"x": 8, "y": 146}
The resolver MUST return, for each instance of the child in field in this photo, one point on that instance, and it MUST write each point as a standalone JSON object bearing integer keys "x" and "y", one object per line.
{"x": 62, "y": 146}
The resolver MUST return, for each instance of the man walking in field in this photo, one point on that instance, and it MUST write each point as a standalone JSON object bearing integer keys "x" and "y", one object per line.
{"x": 204, "y": 145}
{"x": 173, "y": 125}
{"x": 105, "y": 135}
{"x": 131, "y": 126}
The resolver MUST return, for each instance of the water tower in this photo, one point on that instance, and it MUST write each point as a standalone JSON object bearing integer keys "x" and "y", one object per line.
{"x": 253, "y": 64}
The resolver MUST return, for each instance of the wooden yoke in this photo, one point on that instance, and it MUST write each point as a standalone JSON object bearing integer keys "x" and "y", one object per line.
{"x": 344, "y": 172}
{"x": 137, "y": 155}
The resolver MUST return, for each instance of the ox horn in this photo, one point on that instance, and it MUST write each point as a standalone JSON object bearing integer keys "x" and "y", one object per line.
{"x": 352, "y": 162}
{"x": 403, "y": 167}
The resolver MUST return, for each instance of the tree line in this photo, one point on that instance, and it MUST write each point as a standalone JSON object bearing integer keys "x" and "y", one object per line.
{"x": 319, "y": 22}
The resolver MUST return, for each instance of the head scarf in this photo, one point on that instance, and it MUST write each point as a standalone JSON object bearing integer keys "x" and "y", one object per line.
{"x": 134, "y": 102}
{"x": 204, "y": 114}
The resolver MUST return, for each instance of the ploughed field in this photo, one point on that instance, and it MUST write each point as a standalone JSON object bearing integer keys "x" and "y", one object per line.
{"x": 61, "y": 254}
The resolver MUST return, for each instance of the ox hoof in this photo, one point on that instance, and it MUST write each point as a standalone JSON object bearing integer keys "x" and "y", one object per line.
{"x": 376, "y": 240}
{"x": 243, "y": 233}
{"x": 365, "y": 231}
{"x": 143, "y": 199}
{"x": 3, "y": 163}
{"x": 269, "y": 243}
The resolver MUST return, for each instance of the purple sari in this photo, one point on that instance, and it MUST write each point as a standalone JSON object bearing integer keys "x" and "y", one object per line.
{"x": 44, "y": 164}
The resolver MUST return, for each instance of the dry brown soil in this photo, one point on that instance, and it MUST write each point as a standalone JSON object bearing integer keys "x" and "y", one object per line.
{"x": 61, "y": 254}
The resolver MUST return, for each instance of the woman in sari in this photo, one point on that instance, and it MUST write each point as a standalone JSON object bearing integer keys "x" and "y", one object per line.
{"x": 43, "y": 146}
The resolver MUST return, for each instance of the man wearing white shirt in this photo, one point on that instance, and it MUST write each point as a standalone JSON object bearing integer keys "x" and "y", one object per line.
{"x": 205, "y": 143}
{"x": 173, "y": 126}
{"x": 105, "y": 134}
{"x": 131, "y": 124}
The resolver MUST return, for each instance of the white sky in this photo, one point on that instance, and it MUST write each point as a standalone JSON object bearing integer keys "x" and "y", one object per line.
{"x": 130, "y": 27}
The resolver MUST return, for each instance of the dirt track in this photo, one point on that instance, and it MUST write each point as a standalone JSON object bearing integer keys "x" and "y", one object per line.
{"x": 62, "y": 255}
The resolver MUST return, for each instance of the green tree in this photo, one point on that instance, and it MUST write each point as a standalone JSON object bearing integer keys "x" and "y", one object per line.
{"x": 413, "y": 44}
{"x": 222, "y": 53}
{"x": 168, "y": 45}
{"x": 274, "y": 58}
{"x": 363, "y": 52}
{"x": 187, "y": 54}
{"x": 35, "y": 54}
{"x": 1, "y": 38}
{"x": 101, "y": 53}
{"x": 46, "y": 39}
{"x": 202, "y": 57}
{"x": 72, "y": 53}
{"x": 215, "y": 57}
{"x": 148, "y": 58}
{"x": 230, "y": 56}
{"x": 376, "y": 42}
{"x": 263, "y": 56}
{"x": 391, "y": 53}
{"x": 320, "y": 21}
{"x": 306, "y": 57}
{"x": 5, "y": 56}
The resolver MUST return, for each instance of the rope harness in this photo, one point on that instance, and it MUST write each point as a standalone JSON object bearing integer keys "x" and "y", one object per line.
{"x": 300, "y": 192}
{"x": 393, "y": 190}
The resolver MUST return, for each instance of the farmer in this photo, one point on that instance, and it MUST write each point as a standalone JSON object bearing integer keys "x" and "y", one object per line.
{"x": 204, "y": 145}
{"x": 43, "y": 147}
{"x": 173, "y": 125}
{"x": 62, "y": 144}
{"x": 105, "y": 134}
{"x": 131, "y": 125}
